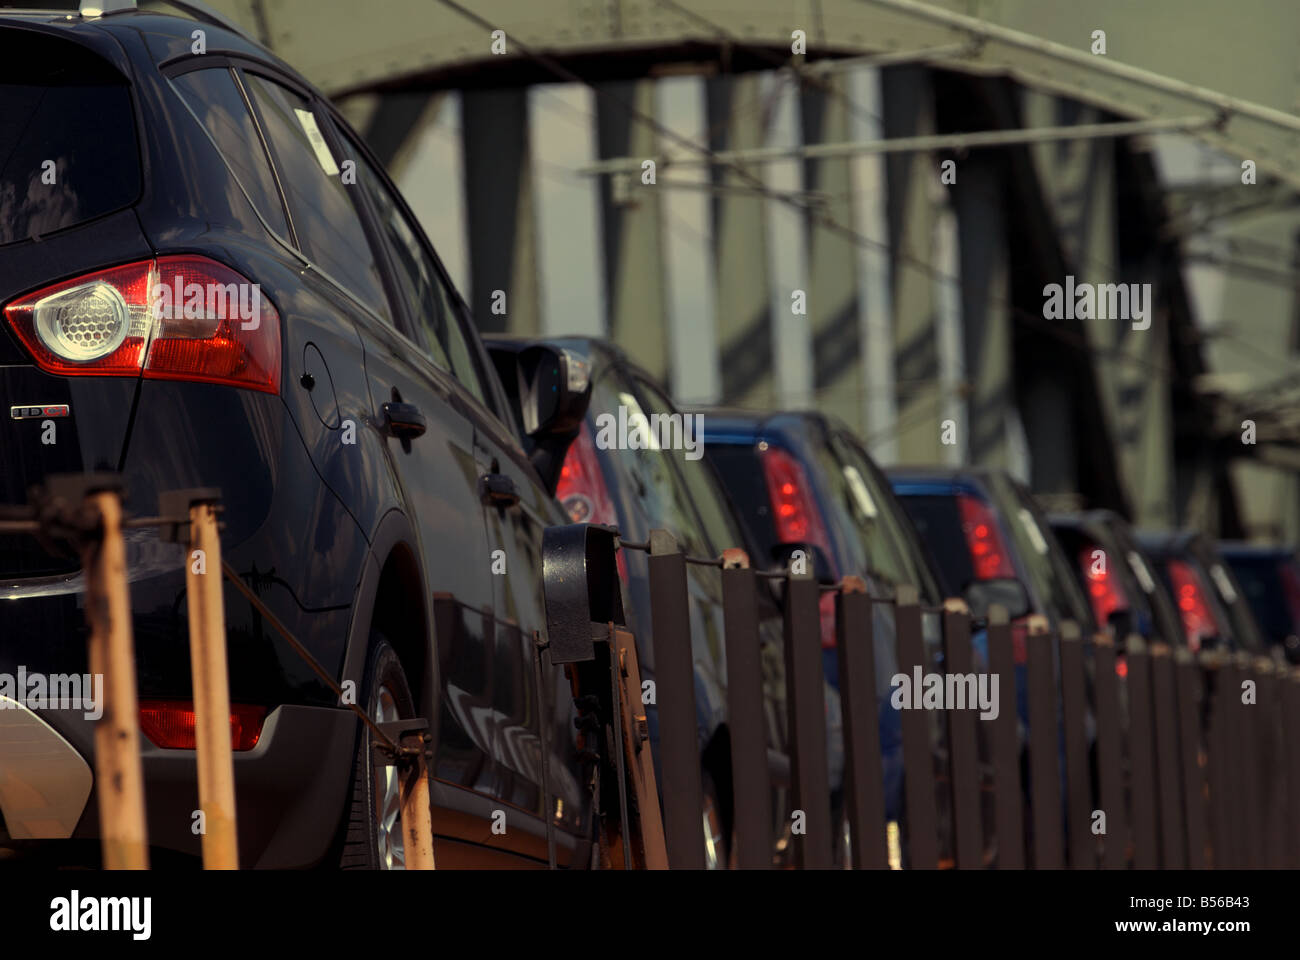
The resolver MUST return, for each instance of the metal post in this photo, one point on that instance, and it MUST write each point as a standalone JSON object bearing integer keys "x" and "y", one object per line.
{"x": 963, "y": 750}
{"x": 864, "y": 789}
{"x": 749, "y": 774}
{"x": 1272, "y": 770}
{"x": 1142, "y": 761}
{"x": 119, "y": 775}
{"x": 1007, "y": 789}
{"x": 1246, "y": 750}
{"x": 918, "y": 762}
{"x": 1044, "y": 758}
{"x": 679, "y": 745}
{"x": 806, "y": 710}
{"x": 207, "y": 622}
{"x": 1078, "y": 778}
{"x": 1110, "y": 755}
{"x": 1173, "y": 837}
{"x": 1190, "y": 687}
{"x": 1291, "y": 718}
{"x": 417, "y": 815}
{"x": 1216, "y": 671}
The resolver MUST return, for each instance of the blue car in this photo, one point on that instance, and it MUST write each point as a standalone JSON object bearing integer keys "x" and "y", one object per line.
{"x": 803, "y": 481}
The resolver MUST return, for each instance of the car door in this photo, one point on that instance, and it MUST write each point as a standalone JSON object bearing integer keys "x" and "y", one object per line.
{"x": 434, "y": 471}
{"x": 493, "y": 688}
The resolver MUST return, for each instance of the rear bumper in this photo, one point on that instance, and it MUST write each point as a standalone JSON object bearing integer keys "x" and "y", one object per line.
{"x": 290, "y": 790}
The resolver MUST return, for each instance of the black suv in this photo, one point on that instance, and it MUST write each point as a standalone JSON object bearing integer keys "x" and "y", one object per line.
{"x": 208, "y": 280}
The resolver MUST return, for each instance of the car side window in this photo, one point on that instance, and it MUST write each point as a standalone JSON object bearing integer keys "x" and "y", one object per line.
{"x": 328, "y": 225}
{"x": 430, "y": 302}
{"x": 720, "y": 524}
{"x": 614, "y": 408}
{"x": 219, "y": 105}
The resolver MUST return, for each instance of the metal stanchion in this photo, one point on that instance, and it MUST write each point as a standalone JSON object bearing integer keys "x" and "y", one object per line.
{"x": 1190, "y": 687}
{"x": 1146, "y": 839}
{"x": 679, "y": 744}
{"x": 119, "y": 774}
{"x": 1007, "y": 789}
{"x": 1044, "y": 762}
{"x": 1250, "y": 830}
{"x": 864, "y": 789}
{"x": 1078, "y": 778}
{"x": 1216, "y": 670}
{"x": 918, "y": 761}
{"x": 1110, "y": 755}
{"x": 749, "y": 773}
{"x": 963, "y": 750}
{"x": 806, "y": 703}
{"x": 1291, "y": 742}
{"x": 1173, "y": 835}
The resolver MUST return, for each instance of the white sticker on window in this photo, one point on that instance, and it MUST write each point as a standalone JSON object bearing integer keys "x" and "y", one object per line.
{"x": 1031, "y": 528}
{"x": 1140, "y": 569}
{"x": 317, "y": 140}
{"x": 1224, "y": 584}
{"x": 861, "y": 495}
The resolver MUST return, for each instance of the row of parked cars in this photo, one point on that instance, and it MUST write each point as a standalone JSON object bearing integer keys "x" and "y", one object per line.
{"x": 776, "y": 482}
{"x": 387, "y": 475}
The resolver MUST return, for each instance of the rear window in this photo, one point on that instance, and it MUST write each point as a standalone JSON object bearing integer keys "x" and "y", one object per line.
{"x": 742, "y": 475}
{"x": 68, "y": 151}
{"x": 938, "y": 520}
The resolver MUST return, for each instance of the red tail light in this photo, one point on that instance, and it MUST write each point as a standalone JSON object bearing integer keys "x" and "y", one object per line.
{"x": 170, "y": 724}
{"x": 174, "y": 318}
{"x": 796, "y": 517}
{"x": 582, "y": 491}
{"x": 1189, "y": 594}
{"x": 988, "y": 554}
{"x": 1104, "y": 590}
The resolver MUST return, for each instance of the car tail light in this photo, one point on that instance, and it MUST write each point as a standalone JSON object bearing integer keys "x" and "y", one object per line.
{"x": 173, "y": 318}
{"x": 798, "y": 520}
{"x": 1189, "y": 595}
{"x": 170, "y": 724}
{"x": 582, "y": 491}
{"x": 1104, "y": 590}
{"x": 988, "y": 554}
{"x": 796, "y": 517}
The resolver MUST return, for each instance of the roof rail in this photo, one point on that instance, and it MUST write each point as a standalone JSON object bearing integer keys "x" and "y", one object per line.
{"x": 205, "y": 12}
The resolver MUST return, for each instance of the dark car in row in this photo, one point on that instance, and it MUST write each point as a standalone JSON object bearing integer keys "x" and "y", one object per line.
{"x": 189, "y": 278}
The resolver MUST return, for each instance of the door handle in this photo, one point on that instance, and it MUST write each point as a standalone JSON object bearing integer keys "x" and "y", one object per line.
{"x": 497, "y": 490}
{"x": 403, "y": 420}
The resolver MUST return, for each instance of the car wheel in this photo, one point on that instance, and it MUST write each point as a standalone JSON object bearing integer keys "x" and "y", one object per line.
{"x": 374, "y": 835}
{"x": 715, "y": 834}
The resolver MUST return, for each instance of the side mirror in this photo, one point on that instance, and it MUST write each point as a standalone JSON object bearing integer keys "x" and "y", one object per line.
{"x": 1008, "y": 593}
{"x": 549, "y": 388}
{"x": 819, "y": 565}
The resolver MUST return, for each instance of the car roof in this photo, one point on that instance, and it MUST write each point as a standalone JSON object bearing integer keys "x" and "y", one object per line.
{"x": 168, "y": 35}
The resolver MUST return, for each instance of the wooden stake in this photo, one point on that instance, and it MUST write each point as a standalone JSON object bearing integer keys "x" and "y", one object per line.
{"x": 211, "y": 690}
{"x": 119, "y": 775}
{"x": 417, "y": 821}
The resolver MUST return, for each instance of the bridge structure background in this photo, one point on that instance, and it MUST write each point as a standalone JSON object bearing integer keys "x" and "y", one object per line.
{"x": 819, "y": 173}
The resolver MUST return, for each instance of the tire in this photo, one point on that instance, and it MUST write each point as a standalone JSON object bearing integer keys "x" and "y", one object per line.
{"x": 375, "y": 793}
